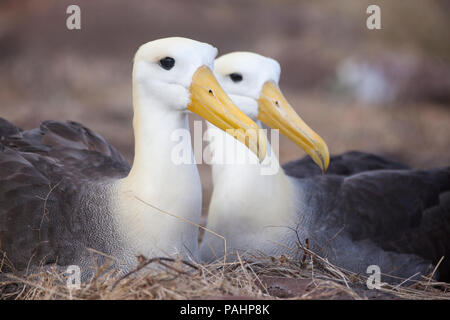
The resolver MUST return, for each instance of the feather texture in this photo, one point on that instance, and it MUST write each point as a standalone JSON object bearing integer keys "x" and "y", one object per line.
{"x": 397, "y": 219}
{"x": 346, "y": 164}
{"x": 54, "y": 185}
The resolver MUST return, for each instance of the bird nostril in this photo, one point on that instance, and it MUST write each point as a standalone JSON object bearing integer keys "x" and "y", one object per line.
{"x": 211, "y": 92}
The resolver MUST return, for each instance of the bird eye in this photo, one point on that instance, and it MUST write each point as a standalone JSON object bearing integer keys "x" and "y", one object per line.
{"x": 236, "y": 77}
{"x": 167, "y": 63}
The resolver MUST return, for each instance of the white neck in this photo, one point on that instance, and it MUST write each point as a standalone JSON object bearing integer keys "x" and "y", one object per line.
{"x": 159, "y": 181}
{"x": 248, "y": 208}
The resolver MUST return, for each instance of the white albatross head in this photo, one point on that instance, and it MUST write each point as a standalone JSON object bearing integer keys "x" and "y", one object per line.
{"x": 176, "y": 73}
{"x": 243, "y": 75}
{"x": 251, "y": 80}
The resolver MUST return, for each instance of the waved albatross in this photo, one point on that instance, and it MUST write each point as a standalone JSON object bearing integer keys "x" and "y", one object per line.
{"x": 65, "y": 190}
{"x": 396, "y": 219}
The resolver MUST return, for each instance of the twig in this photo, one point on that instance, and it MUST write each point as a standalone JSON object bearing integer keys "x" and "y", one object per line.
{"x": 150, "y": 261}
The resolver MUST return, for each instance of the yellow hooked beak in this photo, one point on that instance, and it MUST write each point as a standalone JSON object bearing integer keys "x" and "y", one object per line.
{"x": 210, "y": 102}
{"x": 277, "y": 113}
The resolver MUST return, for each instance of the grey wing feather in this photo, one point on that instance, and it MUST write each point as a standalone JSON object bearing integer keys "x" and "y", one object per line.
{"x": 402, "y": 211}
{"x": 45, "y": 175}
{"x": 345, "y": 164}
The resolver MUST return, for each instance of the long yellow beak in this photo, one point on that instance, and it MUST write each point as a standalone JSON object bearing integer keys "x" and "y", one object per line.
{"x": 210, "y": 102}
{"x": 277, "y": 113}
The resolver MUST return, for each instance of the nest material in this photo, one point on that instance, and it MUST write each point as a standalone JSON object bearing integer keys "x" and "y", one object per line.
{"x": 270, "y": 278}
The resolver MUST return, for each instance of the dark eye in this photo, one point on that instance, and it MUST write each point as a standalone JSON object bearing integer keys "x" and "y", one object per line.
{"x": 167, "y": 63}
{"x": 236, "y": 77}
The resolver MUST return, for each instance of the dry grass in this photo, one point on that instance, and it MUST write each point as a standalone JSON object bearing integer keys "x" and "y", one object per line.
{"x": 269, "y": 278}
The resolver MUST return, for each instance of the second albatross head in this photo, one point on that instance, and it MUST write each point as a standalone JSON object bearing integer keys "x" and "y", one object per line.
{"x": 177, "y": 73}
{"x": 251, "y": 80}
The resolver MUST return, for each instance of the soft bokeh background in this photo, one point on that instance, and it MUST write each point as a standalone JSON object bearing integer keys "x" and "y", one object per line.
{"x": 385, "y": 91}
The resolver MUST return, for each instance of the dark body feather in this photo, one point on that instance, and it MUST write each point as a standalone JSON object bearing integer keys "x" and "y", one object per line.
{"x": 54, "y": 194}
{"x": 397, "y": 219}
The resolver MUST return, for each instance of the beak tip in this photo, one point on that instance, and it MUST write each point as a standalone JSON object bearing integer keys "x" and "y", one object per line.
{"x": 322, "y": 157}
{"x": 262, "y": 147}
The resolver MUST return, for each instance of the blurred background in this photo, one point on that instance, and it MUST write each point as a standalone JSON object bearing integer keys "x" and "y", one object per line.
{"x": 385, "y": 91}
